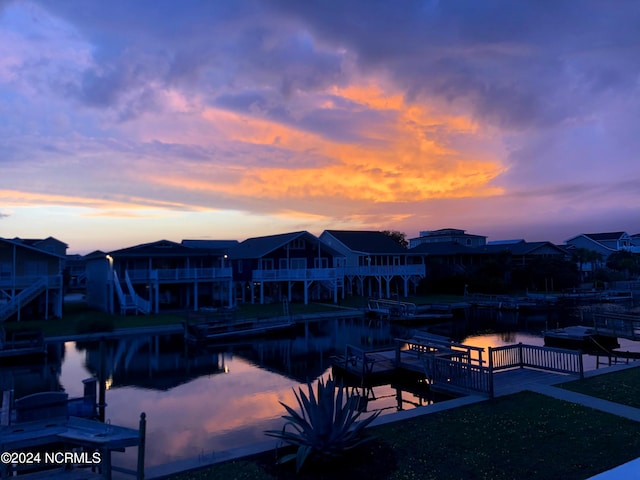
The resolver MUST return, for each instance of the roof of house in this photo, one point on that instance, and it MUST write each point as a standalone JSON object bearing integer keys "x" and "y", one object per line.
{"x": 34, "y": 242}
{"x": 218, "y": 246}
{"x": 258, "y": 247}
{"x": 519, "y": 248}
{"x": 372, "y": 242}
{"x": 600, "y": 237}
{"x": 506, "y": 242}
{"x": 21, "y": 243}
{"x": 452, "y": 248}
{"x": 442, "y": 248}
{"x": 160, "y": 248}
{"x": 446, "y": 232}
{"x": 95, "y": 255}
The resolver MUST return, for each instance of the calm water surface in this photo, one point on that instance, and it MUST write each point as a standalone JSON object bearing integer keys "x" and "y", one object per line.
{"x": 226, "y": 396}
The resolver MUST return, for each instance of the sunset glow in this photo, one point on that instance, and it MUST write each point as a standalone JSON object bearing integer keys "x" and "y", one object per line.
{"x": 205, "y": 121}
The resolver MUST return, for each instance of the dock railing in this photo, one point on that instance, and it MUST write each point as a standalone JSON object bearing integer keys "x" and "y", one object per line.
{"x": 429, "y": 344}
{"x": 459, "y": 375}
{"x": 357, "y": 359}
{"x": 616, "y": 324}
{"x": 544, "y": 358}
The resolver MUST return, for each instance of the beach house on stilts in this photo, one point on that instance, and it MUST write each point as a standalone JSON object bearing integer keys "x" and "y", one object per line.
{"x": 31, "y": 278}
{"x": 374, "y": 264}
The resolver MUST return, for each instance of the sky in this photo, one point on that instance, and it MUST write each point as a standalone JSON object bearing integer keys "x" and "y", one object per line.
{"x": 129, "y": 122}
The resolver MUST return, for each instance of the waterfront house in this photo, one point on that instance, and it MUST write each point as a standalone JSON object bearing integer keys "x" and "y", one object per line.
{"x": 598, "y": 247}
{"x": 523, "y": 252}
{"x": 450, "y": 259}
{"x": 31, "y": 278}
{"x": 374, "y": 264}
{"x": 288, "y": 266}
{"x": 448, "y": 235}
{"x": 99, "y": 281}
{"x": 75, "y": 272}
{"x": 602, "y": 243}
{"x": 161, "y": 275}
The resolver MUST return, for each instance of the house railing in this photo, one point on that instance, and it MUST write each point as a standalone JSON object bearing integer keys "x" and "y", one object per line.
{"x": 617, "y": 324}
{"x": 25, "y": 281}
{"x": 335, "y": 273}
{"x": 532, "y": 356}
{"x": 179, "y": 274}
{"x": 294, "y": 274}
{"x": 383, "y": 270}
{"x": 142, "y": 305}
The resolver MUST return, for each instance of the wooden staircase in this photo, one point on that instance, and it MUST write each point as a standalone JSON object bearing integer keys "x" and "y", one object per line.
{"x": 23, "y": 298}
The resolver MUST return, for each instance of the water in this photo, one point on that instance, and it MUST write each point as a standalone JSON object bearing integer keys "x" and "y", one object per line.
{"x": 226, "y": 396}
{"x": 199, "y": 402}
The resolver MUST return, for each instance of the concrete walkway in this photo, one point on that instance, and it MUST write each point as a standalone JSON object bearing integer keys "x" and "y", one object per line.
{"x": 588, "y": 401}
{"x": 626, "y": 471}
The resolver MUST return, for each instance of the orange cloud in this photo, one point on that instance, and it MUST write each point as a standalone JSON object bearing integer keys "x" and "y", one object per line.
{"x": 408, "y": 158}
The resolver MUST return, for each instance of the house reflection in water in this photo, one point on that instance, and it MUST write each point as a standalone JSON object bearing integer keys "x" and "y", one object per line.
{"x": 191, "y": 408}
{"x": 151, "y": 362}
{"x": 34, "y": 374}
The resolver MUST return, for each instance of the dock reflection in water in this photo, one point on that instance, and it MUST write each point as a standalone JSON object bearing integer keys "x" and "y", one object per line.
{"x": 208, "y": 400}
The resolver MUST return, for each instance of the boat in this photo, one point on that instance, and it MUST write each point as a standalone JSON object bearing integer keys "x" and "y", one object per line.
{"x": 397, "y": 311}
{"x": 204, "y": 332}
{"x": 579, "y": 337}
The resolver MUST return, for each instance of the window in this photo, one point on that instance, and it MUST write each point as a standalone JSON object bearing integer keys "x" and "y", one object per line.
{"x": 5, "y": 270}
{"x": 298, "y": 263}
{"x": 297, "y": 244}
{"x": 321, "y": 262}
{"x": 266, "y": 264}
{"x": 35, "y": 268}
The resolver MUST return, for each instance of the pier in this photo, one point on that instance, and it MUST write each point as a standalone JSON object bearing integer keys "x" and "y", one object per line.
{"x": 458, "y": 368}
{"x": 41, "y": 423}
{"x": 398, "y": 311}
{"x": 617, "y": 325}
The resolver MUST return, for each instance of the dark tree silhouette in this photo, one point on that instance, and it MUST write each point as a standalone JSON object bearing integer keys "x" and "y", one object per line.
{"x": 399, "y": 237}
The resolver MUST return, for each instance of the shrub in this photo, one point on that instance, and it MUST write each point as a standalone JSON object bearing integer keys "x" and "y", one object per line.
{"x": 327, "y": 426}
{"x": 95, "y": 325}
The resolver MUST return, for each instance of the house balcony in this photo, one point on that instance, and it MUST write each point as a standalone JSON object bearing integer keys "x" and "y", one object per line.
{"x": 294, "y": 274}
{"x": 321, "y": 274}
{"x": 173, "y": 275}
{"x": 384, "y": 270}
{"x": 23, "y": 281}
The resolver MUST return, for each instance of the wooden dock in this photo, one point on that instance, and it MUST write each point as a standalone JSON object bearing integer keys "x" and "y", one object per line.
{"x": 406, "y": 312}
{"x": 22, "y": 344}
{"x": 458, "y": 368}
{"x": 42, "y": 424}
{"x": 217, "y": 330}
{"x": 617, "y": 325}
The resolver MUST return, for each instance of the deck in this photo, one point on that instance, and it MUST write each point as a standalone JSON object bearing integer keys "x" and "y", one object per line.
{"x": 461, "y": 369}
{"x": 517, "y": 380}
{"x": 42, "y": 425}
{"x": 22, "y": 344}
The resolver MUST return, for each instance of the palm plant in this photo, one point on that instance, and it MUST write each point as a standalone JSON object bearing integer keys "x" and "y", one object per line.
{"x": 327, "y": 425}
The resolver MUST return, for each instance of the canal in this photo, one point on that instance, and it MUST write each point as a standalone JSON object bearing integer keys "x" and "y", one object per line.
{"x": 200, "y": 401}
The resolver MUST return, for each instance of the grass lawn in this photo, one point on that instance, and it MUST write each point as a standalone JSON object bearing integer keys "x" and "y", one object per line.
{"x": 620, "y": 387}
{"x": 78, "y": 318}
{"x": 521, "y": 436}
